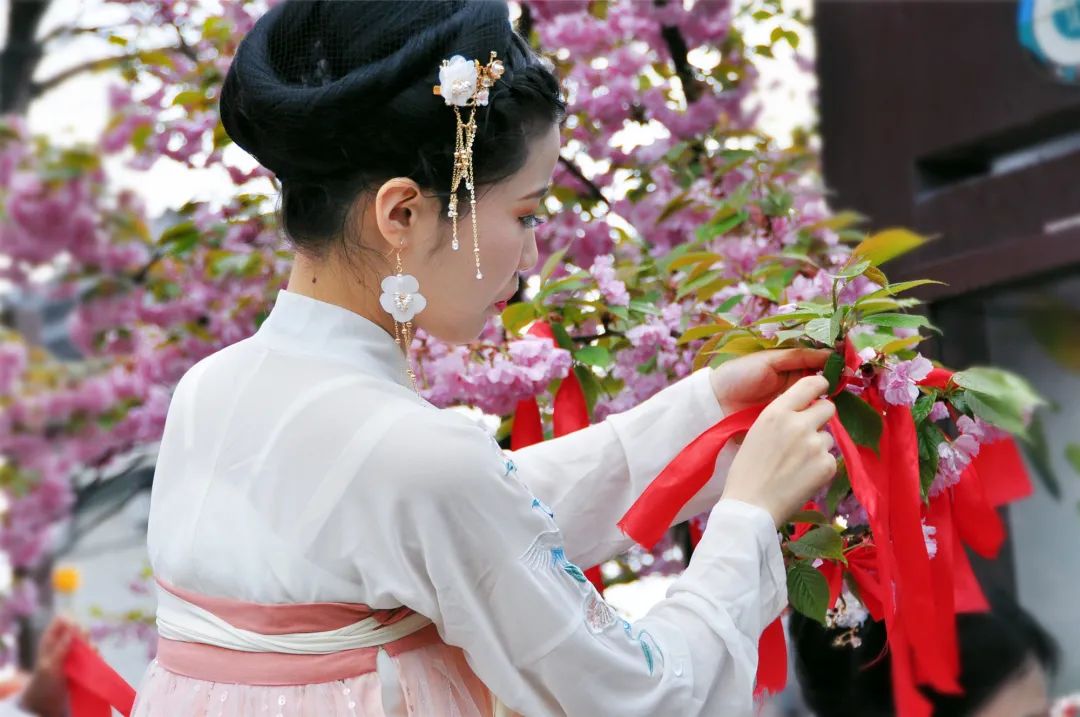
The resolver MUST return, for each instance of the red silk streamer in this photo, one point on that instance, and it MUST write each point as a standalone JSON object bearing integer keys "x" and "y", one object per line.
{"x": 952, "y": 560}
{"x": 772, "y": 660}
{"x": 657, "y": 507}
{"x": 1003, "y": 473}
{"x": 925, "y": 619}
{"x": 875, "y": 499}
{"x": 571, "y": 413}
{"x": 977, "y": 521}
{"x": 528, "y": 428}
{"x": 93, "y": 687}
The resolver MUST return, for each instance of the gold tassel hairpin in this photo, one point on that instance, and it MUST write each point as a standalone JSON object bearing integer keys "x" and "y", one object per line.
{"x": 466, "y": 83}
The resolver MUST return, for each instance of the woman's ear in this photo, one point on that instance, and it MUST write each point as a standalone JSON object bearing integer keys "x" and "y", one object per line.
{"x": 398, "y": 205}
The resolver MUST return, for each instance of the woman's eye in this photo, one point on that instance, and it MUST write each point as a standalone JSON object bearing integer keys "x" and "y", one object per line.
{"x": 532, "y": 221}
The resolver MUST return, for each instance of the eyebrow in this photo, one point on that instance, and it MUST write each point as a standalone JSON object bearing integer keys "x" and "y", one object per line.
{"x": 537, "y": 194}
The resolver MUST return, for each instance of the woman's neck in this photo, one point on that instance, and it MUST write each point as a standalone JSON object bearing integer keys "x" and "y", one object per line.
{"x": 329, "y": 281}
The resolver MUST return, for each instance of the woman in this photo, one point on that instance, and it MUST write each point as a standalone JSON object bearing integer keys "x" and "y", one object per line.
{"x": 1006, "y": 661}
{"x": 328, "y": 543}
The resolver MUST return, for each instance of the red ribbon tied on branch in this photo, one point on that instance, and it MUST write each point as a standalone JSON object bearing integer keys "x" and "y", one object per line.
{"x": 918, "y": 598}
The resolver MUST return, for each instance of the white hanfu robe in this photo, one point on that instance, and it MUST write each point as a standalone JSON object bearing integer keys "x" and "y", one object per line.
{"x": 308, "y": 505}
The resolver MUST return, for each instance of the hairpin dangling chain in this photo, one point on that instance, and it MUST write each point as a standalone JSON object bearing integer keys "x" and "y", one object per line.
{"x": 464, "y": 83}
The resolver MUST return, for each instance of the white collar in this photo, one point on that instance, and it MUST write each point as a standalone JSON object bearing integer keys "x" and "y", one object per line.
{"x": 300, "y": 324}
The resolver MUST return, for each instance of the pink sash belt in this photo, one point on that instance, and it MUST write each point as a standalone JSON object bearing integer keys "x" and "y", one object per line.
{"x": 219, "y": 664}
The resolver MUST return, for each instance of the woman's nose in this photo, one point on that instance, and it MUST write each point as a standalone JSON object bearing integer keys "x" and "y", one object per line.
{"x": 529, "y": 255}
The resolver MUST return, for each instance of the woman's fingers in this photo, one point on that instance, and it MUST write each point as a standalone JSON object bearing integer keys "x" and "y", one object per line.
{"x": 803, "y": 393}
{"x": 820, "y": 412}
{"x": 797, "y": 359}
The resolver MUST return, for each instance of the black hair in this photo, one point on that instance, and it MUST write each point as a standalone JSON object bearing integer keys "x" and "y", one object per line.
{"x": 996, "y": 647}
{"x": 334, "y": 96}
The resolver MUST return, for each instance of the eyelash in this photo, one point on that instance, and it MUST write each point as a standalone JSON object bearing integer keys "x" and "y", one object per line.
{"x": 532, "y": 221}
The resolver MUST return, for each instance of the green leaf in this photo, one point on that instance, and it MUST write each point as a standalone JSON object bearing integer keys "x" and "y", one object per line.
{"x": 621, "y": 311}
{"x": 723, "y": 226}
{"x": 784, "y": 318}
{"x": 517, "y": 316}
{"x": 808, "y": 591}
{"x": 996, "y": 382}
{"x": 923, "y": 406}
{"x": 1038, "y": 455}
{"x": 898, "y": 321}
{"x": 180, "y": 238}
{"x": 594, "y": 356}
{"x": 928, "y": 437}
{"x": 994, "y": 410}
{"x": 821, "y": 330}
{"x": 1072, "y": 454}
{"x": 562, "y": 338}
{"x": 700, "y": 332}
{"x": 898, "y": 288}
{"x": 551, "y": 263}
{"x": 809, "y": 516}
{"x": 838, "y": 489}
{"x": 834, "y": 368}
{"x": 1037, "y": 452}
{"x": 853, "y": 269}
{"x": 836, "y": 321}
{"x": 644, "y": 307}
{"x": 695, "y": 284}
{"x": 888, "y": 244}
{"x": 820, "y": 542}
{"x": 861, "y": 421}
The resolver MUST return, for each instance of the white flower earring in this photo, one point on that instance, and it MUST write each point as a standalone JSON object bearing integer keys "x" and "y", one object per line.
{"x": 401, "y": 298}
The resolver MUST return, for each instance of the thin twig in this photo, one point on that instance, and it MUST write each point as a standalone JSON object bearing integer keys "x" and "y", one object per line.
{"x": 594, "y": 191}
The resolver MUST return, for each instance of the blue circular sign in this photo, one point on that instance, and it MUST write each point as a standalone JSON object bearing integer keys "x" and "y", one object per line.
{"x": 1050, "y": 30}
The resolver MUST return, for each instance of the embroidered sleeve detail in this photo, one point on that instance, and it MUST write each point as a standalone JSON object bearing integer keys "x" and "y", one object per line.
{"x": 547, "y": 553}
{"x": 649, "y": 648}
{"x": 599, "y": 616}
{"x": 540, "y": 505}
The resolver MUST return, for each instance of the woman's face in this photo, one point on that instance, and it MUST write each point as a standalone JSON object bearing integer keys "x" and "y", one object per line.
{"x": 1026, "y": 695}
{"x": 458, "y": 304}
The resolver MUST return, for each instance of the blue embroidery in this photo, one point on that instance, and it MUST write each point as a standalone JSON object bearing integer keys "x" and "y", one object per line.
{"x": 648, "y": 655}
{"x": 539, "y": 504}
{"x": 510, "y": 468}
{"x": 643, "y": 639}
{"x": 575, "y": 572}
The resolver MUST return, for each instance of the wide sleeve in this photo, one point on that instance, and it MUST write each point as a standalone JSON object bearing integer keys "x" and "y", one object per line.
{"x": 461, "y": 540}
{"x": 592, "y": 476}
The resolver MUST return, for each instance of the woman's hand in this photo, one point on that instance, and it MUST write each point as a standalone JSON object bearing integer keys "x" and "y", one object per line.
{"x": 762, "y": 376}
{"x": 46, "y": 692}
{"x": 785, "y": 457}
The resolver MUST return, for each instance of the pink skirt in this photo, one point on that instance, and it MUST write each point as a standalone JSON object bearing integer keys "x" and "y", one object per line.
{"x": 435, "y": 681}
{"x": 192, "y": 679}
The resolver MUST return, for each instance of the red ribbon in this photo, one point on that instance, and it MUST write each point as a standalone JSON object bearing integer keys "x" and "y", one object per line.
{"x": 772, "y": 660}
{"x": 1002, "y": 472}
{"x": 93, "y": 687}
{"x": 527, "y": 429}
{"x": 659, "y": 504}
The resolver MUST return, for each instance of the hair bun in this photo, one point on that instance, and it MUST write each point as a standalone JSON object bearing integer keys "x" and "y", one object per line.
{"x": 316, "y": 84}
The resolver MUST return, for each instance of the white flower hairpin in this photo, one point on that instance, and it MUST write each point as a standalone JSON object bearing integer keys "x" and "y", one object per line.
{"x": 466, "y": 83}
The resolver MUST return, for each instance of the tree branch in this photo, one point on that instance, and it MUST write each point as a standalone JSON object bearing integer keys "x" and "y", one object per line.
{"x": 594, "y": 191}
{"x": 104, "y": 63}
{"x": 677, "y": 47}
{"x": 678, "y": 50}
